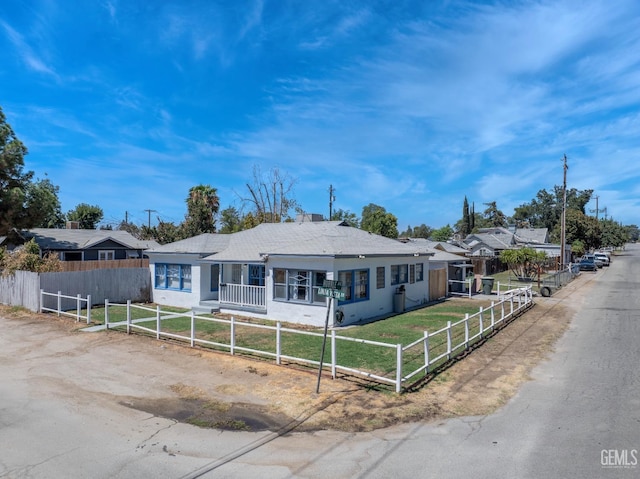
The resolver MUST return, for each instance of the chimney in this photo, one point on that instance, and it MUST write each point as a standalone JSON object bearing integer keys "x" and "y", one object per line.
{"x": 73, "y": 225}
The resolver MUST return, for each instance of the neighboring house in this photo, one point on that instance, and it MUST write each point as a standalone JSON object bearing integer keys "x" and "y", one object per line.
{"x": 489, "y": 242}
{"x": 86, "y": 245}
{"x": 450, "y": 259}
{"x": 274, "y": 271}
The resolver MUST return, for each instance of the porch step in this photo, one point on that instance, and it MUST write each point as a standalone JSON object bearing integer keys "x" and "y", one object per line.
{"x": 207, "y": 307}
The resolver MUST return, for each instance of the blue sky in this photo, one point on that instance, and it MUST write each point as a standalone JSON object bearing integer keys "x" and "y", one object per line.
{"x": 411, "y": 105}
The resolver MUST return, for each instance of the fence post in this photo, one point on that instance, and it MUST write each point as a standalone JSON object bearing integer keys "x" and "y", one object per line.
{"x": 334, "y": 354}
{"x": 88, "y": 309}
{"x": 426, "y": 353}
{"x": 481, "y": 321}
{"x": 106, "y": 314}
{"x": 59, "y": 302}
{"x": 399, "y": 368}
{"x": 78, "y": 311}
{"x": 502, "y": 310}
{"x": 278, "y": 343}
{"x": 493, "y": 315}
{"x": 193, "y": 328}
{"x": 469, "y": 288}
{"x": 158, "y": 321}
{"x": 448, "y": 339}
{"x": 466, "y": 331}
{"x": 232, "y": 339}
{"x": 511, "y": 303}
{"x": 128, "y": 316}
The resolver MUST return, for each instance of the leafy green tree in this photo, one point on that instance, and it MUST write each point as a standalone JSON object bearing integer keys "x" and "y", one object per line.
{"x": 442, "y": 234}
{"x": 230, "y": 221}
{"x": 525, "y": 263}
{"x": 578, "y": 249}
{"x": 545, "y": 210}
{"x": 43, "y": 206}
{"x": 613, "y": 234}
{"x": 13, "y": 180}
{"x": 202, "y": 207}
{"x": 422, "y": 231}
{"x": 375, "y": 219}
{"x": 346, "y": 215}
{"x": 28, "y": 259}
{"x": 579, "y": 226}
{"x": 86, "y": 215}
{"x": 633, "y": 232}
{"x": 493, "y": 216}
{"x": 131, "y": 228}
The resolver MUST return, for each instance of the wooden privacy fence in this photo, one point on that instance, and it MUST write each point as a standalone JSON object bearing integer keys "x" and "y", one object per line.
{"x": 104, "y": 264}
{"x": 421, "y": 357}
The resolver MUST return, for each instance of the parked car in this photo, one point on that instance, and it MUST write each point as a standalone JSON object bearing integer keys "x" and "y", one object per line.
{"x": 603, "y": 257}
{"x": 592, "y": 257}
{"x": 587, "y": 264}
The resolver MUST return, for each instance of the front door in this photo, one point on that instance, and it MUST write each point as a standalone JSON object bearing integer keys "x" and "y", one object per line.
{"x": 215, "y": 277}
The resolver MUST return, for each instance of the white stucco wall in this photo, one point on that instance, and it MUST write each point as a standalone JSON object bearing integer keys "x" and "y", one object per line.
{"x": 180, "y": 299}
{"x": 380, "y": 302}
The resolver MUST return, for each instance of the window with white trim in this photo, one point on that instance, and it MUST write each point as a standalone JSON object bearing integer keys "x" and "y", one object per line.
{"x": 419, "y": 271}
{"x": 399, "y": 273}
{"x": 106, "y": 254}
{"x": 299, "y": 286}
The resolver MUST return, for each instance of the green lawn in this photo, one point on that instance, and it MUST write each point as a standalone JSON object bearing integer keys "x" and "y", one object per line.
{"x": 401, "y": 329}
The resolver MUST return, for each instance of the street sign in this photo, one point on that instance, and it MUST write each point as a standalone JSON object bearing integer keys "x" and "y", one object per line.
{"x": 332, "y": 284}
{"x": 332, "y": 293}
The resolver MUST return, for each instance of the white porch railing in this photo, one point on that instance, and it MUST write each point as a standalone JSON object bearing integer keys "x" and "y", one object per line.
{"x": 243, "y": 295}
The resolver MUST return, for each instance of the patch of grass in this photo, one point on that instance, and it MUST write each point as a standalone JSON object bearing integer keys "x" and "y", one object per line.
{"x": 400, "y": 329}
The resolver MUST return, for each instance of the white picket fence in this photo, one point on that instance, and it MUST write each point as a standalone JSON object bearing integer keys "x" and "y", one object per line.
{"x": 63, "y": 309}
{"x": 433, "y": 348}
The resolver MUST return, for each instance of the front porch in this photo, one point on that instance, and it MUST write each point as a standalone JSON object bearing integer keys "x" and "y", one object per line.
{"x": 243, "y": 296}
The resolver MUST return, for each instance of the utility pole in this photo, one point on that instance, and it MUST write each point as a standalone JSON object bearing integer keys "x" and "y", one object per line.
{"x": 332, "y": 198}
{"x": 598, "y": 210}
{"x": 564, "y": 212}
{"x": 150, "y": 211}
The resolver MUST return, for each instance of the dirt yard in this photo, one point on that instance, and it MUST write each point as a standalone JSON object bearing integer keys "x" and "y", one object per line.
{"x": 210, "y": 389}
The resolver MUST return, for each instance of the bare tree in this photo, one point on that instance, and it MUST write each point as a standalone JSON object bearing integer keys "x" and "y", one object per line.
{"x": 270, "y": 195}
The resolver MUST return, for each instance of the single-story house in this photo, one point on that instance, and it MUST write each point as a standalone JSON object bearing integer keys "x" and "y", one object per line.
{"x": 489, "y": 242}
{"x": 276, "y": 271}
{"x": 85, "y": 245}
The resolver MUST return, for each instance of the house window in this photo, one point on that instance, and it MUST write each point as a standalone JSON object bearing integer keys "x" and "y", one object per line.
{"x": 280, "y": 284}
{"x": 412, "y": 273}
{"x": 106, "y": 254}
{"x": 380, "y": 277}
{"x": 399, "y": 273}
{"x": 299, "y": 286}
{"x": 420, "y": 272}
{"x": 173, "y": 276}
{"x": 355, "y": 285}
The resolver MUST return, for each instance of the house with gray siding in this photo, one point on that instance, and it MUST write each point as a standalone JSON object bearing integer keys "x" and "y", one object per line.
{"x": 85, "y": 245}
{"x": 274, "y": 271}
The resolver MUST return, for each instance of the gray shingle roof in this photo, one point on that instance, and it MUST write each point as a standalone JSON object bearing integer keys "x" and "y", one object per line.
{"x": 207, "y": 243}
{"x": 323, "y": 238}
{"x": 533, "y": 235}
{"x": 74, "y": 239}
